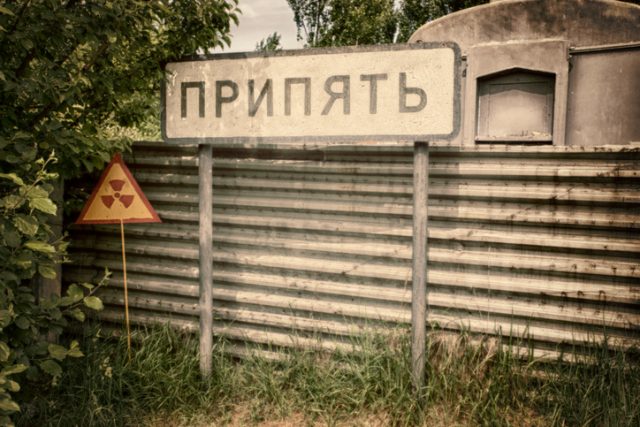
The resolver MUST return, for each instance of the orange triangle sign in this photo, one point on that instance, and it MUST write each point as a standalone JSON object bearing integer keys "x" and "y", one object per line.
{"x": 117, "y": 198}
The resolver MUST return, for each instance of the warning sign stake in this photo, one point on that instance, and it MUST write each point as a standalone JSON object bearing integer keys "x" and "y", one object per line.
{"x": 118, "y": 199}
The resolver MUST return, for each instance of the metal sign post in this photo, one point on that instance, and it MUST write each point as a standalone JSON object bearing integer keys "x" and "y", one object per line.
{"x": 419, "y": 267}
{"x": 205, "y": 192}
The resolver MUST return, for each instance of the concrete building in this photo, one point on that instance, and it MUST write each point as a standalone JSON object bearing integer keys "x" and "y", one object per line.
{"x": 561, "y": 72}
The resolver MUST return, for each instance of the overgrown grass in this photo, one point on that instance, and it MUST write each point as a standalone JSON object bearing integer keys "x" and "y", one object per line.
{"x": 467, "y": 384}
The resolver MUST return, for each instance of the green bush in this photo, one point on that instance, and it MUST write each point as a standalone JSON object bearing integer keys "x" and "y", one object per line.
{"x": 78, "y": 78}
{"x": 26, "y": 322}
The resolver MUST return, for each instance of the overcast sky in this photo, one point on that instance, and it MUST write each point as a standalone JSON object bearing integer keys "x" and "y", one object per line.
{"x": 259, "y": 19}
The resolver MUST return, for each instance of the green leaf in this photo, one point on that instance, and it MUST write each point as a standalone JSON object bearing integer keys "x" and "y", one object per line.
{"x": 13, "y": 386}
{"x": 12, "y": 238}
{"x": 28, "y": 153}
{"x": 13, "y": 177}
{"x": 14, "y": 369}
{"x": 23, "y": 260}
{"x": 22, "y": 135}
{"x": 78, "y": 314}
{"x": 55, "y": 314}
{"x": 40, "y": 348}
{"x": 5, "y": 351}
{"x": 93, "y": 303}
{"x": 8, "y": 277}
{"x": 51, "y": 368}
{"x": 43, "y": 204}
{"x": 26, "y": 224}
{"x": 87, "y": 164}
{"x": 12, "y": 158}
{"x": 36, "y": 193}
{"x": 87, "y": 285}
{"x": 65, "y": 301}
{"x": 12, "y": 201}
{"x": 57, "y": 352}
{"x": 75, "y": 292}
{"x": 74, "y": 350}
{"x": 47, "y": 271}
{"x": 9, "y": 405}
{"x": 5, "y": 319}
{"x": 21, "y": 146}
{"x": 25, "y": 295}
{"x": 6, "y": 11}
{"x": 26, "y": 44}
{"x": 22, "y": 322}
{"x": 41, "y": 247}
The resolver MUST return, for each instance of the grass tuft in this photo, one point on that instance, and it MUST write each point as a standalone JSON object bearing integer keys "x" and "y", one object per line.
{"x": 470, "y": 381}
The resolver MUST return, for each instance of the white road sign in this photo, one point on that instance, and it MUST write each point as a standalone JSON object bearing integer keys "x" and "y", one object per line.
{"x": 379, "y": 93}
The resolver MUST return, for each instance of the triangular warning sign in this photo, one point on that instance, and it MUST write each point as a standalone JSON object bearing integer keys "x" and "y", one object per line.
{"x": 117, "y": 198}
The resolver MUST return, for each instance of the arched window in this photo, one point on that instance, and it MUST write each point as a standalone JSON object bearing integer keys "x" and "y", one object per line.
{"x": 515, "y": 106}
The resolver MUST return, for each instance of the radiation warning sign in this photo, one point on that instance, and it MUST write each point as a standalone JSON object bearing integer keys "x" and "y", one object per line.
{"x": 117, "y": 198}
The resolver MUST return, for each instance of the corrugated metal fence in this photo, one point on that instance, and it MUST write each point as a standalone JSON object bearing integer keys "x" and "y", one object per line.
{"x": 312, "y": 246}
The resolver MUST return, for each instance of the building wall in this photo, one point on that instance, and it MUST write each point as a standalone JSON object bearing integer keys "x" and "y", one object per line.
{"x": 582, "y": 22}
{"x": 604, "y": 96}
{"x": 592, "y": 48}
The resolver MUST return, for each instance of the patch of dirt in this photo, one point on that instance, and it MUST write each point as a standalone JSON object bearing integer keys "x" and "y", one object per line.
{"x": 243, "y": 416}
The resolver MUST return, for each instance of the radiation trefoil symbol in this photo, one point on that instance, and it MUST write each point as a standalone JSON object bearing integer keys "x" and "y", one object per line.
{"x": 117, "y": 198}
{"x": 116, "y": 186}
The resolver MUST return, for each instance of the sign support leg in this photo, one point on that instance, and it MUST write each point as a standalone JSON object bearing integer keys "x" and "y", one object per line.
{"x": 419, "y": 268}
{"x": 126, "y": 291}
{"x": 205, "y": 171}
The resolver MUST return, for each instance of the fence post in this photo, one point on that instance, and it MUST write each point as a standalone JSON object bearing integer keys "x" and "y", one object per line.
{"x": 205, "y": 192}
{"x": 419, "y": 267}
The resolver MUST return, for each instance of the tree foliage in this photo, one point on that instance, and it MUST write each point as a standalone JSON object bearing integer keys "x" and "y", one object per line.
{"x": 71, "y": 69}
{"x": 312, "y": 19}
{"x": 269, "y": 44}
{"x": 323, "y": 23}
{"x": 414, "y": 13}
{"x": 353, "y": 22}
{"x": 72, "y": 73}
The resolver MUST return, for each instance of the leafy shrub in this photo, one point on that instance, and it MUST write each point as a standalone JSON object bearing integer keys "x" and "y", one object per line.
{"x": 26, "y": 322}
{"x": 79, "y": 78}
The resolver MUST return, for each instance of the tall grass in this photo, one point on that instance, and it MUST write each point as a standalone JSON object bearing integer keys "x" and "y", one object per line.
{"x": 105, "y": 388}
{"x": 467, "y": 384}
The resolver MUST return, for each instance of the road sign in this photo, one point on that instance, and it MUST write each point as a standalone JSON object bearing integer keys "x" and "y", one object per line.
{"x": 117, "y": 198}
{"x": 375, "y": 93}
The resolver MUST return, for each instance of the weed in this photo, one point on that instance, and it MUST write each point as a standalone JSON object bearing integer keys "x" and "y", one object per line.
{"x": 470, "y": 381}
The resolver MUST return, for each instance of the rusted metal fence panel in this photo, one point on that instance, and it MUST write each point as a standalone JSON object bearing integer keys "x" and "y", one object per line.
{"x": 314, "y": 246}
